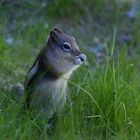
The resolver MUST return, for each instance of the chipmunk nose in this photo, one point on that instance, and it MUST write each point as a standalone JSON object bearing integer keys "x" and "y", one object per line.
{"x": 82, "y": 57}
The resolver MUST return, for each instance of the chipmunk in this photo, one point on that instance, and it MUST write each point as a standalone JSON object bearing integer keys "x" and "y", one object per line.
{"x": 46, "y": 81}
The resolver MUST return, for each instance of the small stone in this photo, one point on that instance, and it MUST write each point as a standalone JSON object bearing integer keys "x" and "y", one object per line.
{"x": 19, "y": 89}
{"x": 9, "y": 40}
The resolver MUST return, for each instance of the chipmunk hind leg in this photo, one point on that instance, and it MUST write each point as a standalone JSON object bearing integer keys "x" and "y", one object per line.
{"x": 51, "y": 124}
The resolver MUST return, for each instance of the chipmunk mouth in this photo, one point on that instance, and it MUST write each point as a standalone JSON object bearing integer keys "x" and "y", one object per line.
{"x": 80, "y": 59}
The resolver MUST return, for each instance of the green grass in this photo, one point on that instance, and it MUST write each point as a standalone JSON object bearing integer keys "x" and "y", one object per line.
{"x": 103, "y": 99}
{"x": 102, "y": 104}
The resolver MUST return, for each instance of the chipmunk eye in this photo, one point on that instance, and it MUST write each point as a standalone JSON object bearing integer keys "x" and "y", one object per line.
{"x": 66, "y": 47}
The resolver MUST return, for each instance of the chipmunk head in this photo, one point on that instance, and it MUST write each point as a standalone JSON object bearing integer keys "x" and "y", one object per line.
{"x": 62, "y": 52}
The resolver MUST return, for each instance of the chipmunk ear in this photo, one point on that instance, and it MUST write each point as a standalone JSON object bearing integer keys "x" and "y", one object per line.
{"x": 57, "y": 30}
{"x": 53, "y": 36}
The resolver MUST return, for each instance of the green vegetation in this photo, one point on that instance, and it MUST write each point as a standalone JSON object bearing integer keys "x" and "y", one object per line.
{"x": 104, "y": 95}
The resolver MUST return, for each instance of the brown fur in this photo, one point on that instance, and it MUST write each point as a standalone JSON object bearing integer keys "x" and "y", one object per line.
{"x": 44, "y": 86}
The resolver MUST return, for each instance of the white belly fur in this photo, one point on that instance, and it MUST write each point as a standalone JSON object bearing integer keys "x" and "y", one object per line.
{"x": 49, "y": 95}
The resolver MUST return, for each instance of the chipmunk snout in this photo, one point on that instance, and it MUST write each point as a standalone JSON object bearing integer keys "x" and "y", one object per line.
{"x": 79, "y": 59}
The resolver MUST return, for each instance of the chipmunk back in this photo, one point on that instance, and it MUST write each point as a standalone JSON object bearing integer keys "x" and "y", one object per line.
{"x": 46, "y": 81}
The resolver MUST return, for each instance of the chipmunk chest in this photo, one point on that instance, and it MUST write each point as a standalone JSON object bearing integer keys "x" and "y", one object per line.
{"x": 52, "y": 90}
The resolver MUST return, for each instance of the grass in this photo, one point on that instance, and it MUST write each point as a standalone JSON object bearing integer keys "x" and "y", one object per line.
{"x": 103, "y": 104}
{"x": 103, "y": 99}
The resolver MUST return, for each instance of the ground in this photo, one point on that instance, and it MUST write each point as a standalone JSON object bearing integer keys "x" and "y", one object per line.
{"x": 103, "y": 95}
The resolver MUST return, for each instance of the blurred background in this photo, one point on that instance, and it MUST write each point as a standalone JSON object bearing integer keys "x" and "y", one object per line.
{"x": 93, "y": 22}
